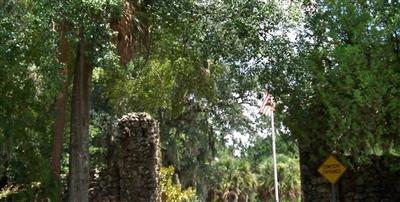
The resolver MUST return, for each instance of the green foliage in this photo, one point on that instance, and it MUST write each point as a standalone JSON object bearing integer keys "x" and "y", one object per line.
{"x": 173, "y": 192}
{"x": 162, "y": 84}
{"x": 288, "y": 177}
{"x": 235, "y": 174}
{"x": 31, "y": 79}
{"x": 260, "y": 156}
{"x": 28, "y": 87}
{"x": 34, "y": 191}
{"x": 339, "y": 82}
{"x": 91, "y": 19}
{"x": 252, "y": 176}
{"x": 359, "y": 87}
{"x": 197, "y": 78}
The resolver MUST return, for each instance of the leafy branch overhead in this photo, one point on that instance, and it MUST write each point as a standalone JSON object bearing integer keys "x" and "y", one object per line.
{"x": 70, "y": 68}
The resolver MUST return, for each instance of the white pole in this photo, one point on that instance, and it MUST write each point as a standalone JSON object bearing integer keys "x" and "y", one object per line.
{"x": 274, "y": 156}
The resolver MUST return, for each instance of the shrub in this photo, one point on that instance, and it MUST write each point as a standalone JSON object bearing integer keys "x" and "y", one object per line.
{"x": 173, "y": 192}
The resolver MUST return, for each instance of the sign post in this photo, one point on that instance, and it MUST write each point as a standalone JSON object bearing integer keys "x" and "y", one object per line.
{"x": 332, "y": 170}
{"x": 333, "y": 193}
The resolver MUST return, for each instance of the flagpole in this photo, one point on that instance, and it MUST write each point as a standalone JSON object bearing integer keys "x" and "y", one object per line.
{"x": 274, "y": 156}
{"x": 268, "y": 107}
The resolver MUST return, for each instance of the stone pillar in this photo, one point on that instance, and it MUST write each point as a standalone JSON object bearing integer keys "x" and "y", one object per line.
{"x": 134, "y": 164}
{"x": 139, "y": 158}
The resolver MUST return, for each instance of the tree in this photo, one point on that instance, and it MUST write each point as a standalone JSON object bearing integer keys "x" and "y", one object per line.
{"x": 343, "y": 83}
{"x": 61, "y": 106}
{"x": 259, "y": 154}
{"x": 197, "y": 78}
{"x": 191, "y": 64}
{"x": 337, "y": 86}
{"x": 94, "y": 49}
{"x": 28, "y": 86}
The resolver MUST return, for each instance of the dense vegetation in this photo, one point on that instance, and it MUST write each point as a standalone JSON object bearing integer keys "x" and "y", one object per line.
{"x": 69, "y": 69}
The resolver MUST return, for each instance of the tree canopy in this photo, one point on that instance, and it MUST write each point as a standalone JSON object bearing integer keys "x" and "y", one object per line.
{"x": 70, "y": 68}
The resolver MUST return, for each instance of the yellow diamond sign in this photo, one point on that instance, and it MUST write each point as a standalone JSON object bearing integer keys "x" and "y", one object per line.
{"x": 332, "y": 169}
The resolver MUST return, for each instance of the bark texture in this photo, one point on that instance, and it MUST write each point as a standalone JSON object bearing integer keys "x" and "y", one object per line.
{"x": 61, "y": 102}
{"x": 58, "y": 135}
{"x": 79, "y": 139}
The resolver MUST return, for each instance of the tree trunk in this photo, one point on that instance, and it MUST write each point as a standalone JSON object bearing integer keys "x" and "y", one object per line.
{"x": 59, "y": 124}
{"x": 58, "y": 135}
{"x": 79, "y": 139}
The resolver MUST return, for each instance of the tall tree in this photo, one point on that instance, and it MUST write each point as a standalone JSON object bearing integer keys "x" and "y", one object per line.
{"x": 339, "y": 83}
{"x": 346, "y": 77}
{"x": 60, "y": 108}
{"x": 96, "y": 49}
{"x": 198, "y": 78}
{"x": 30, "y": 78}
{"x": 79, "y": 138}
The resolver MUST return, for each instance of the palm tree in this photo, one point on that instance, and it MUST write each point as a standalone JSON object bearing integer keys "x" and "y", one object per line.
{"x": 288, "y": 176}
{"x": 235, "y": 179}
